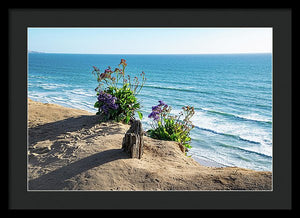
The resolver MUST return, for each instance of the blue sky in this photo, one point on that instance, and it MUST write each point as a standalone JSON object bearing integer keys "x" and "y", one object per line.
{"x": 150, "y": 40}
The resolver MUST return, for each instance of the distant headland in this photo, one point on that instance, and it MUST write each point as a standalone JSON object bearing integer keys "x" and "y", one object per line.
{"x": 29, "y": 51}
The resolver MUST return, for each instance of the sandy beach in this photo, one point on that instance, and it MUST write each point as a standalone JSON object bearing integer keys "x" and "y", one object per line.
{"x": 69, "y": 149}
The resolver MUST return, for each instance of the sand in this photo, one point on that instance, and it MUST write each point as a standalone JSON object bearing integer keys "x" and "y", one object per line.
{"x": 69, "y": 149}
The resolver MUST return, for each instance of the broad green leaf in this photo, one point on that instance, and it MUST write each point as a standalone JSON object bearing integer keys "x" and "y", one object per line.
{"x": 127, "y": 119}
{"x": 140, "y": 115}
{"x": 96, "y": 105}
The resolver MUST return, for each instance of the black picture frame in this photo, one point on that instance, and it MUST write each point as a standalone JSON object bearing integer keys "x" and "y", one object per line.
{"x": 279, "y": 19}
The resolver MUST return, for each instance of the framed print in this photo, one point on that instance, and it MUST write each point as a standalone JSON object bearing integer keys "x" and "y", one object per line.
{"x": 151, "y": 105}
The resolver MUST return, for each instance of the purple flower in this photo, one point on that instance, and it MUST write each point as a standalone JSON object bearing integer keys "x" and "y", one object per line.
{"x": 107, "y": 102}
{"x": 157, "y": 110}
{"x": 161, "y": 103}
{"x": 154, "y": 115}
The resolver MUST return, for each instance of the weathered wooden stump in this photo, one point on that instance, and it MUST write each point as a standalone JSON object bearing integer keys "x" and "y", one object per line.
{"x": 133, "y": 141}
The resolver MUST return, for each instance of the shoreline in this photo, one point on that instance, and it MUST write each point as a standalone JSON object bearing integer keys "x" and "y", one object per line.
{"x": 208, "y": 163}
{"x": 69, "y": 149}
{"x": 201, "y": 161}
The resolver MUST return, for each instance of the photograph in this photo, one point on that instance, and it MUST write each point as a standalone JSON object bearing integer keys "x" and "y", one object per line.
{"x": 149, "y": 109}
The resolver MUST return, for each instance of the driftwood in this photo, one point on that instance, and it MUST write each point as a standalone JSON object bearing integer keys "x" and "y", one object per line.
{"x": 133, "y": 141}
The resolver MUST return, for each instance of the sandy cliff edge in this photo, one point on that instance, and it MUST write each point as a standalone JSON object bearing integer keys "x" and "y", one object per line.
{"x": 69, "y": 149}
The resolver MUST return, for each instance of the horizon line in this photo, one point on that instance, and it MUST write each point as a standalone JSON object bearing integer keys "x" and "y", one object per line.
{"x": 149, "y": 53}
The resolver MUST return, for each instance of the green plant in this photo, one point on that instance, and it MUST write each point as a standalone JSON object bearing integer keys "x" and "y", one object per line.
{"x": 127, "y": 102}
{"x": 172, "y": 128}
{"x": 117, "y": 95}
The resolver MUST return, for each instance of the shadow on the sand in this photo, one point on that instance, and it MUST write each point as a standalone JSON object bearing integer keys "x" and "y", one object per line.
{"x": 56, "y": 180}
{"x": 50, "y": 131}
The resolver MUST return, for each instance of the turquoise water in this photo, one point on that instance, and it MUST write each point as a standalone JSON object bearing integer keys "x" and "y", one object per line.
{"x": 232, "y": 96}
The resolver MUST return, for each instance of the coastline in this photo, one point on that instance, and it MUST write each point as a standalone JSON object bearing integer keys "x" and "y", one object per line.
{"x": 72, "y": 150}
{"x": 208, "y": 163}
{"x": 201, "y": 161}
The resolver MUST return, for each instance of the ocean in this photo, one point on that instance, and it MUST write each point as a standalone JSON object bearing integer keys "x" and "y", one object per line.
{"x": 231, "y": 94}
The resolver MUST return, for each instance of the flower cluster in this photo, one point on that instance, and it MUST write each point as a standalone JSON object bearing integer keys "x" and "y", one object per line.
{"x": 167, "y": 127}
{"x": 117, "y": 95}
{"x": 111, "y": 78}
{"x": 107, "y": 102}
{"x": 158, "y": 110}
